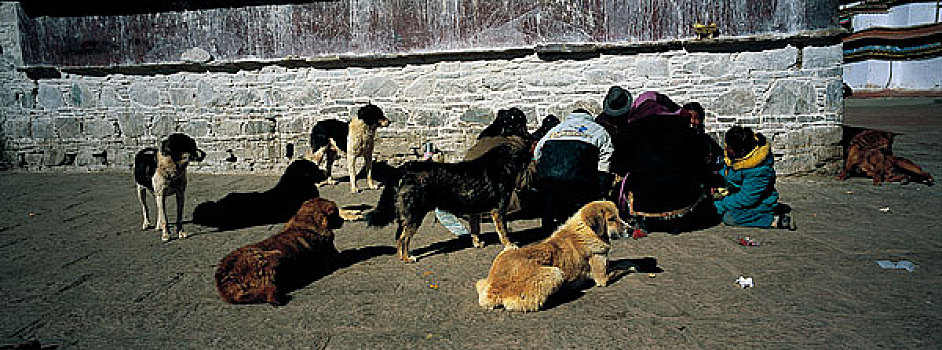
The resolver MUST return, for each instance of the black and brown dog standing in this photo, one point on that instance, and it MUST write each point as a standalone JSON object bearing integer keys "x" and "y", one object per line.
{"x": 163, "y": 172}
{"x": 484, "y": 184}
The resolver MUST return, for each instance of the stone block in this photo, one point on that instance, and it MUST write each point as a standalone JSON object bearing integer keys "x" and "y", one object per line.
{"x": 49, "y": 96}
{"x": 108, "y": 97}
{"x": 734, "y": 102}
{"x": 42, "y": 129}
{"x": 256, "y": 127}
{"x": 789, "y": 97}
{"x": 304, "y": 96}
{"x": 243, "y": 98}
{"x": 7, "y": 62}
{"x": 132, "y": 123}
{"x": 653, "y": 67}
{"x": 292, "y": 126}
{"x": 196, "y": 55}
{"x": 771, "y": 60}
{"x": 7, "y": 97}
{"x": 715, "y": 65}
{"x": 822, "y": 57}
{"x": 163, "y": 125}
{"x": 378, "y": 87}
{"x": 183, "y": 97}
{"x": 68, "y": 128}
{"x": 205, "y": 94}
{"x": 81, "y": 97}
{"x": 475, "y": 115}
{"x": 195, "y": 128}
{"x": 834, "y": 96}
{"x": 436, "y": 118}
{"x": 457, "y": 86}
{"x": 16, "y": 128}
{"x": 420, "y": 87}
{"x": 145, "y": 94}
{"x": 32, "y": 159}
{"x": 99, "y": 128}
{"x": 54, "y": 157}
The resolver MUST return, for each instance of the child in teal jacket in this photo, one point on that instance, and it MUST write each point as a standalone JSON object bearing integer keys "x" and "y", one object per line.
{"x": 750, "y": 182}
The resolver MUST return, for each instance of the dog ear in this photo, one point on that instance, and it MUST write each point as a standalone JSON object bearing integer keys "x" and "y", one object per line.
{"x": 329, "y": 215}
{"x": 165, "y": 148}
{"x": 596, "y": 219}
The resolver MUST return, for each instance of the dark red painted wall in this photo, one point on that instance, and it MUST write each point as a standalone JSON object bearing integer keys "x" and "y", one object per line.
{"x": 155, "y": 31}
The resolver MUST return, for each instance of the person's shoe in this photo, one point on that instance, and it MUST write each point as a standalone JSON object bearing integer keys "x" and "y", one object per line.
{"x": 785, "y": 221}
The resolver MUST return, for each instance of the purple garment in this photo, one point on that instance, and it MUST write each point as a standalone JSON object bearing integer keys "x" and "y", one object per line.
{"x": 652, "y": 103}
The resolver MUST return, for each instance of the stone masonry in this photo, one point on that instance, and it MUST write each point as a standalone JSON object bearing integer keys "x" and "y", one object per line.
{"x": 87, "y": 120}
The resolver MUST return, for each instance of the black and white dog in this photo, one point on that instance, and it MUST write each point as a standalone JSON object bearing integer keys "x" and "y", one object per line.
{"x": 163, "y": 172}
{"x": 332, "y": 138}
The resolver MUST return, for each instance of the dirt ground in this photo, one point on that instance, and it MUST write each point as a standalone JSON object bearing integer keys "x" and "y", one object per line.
{"x": 77, "y": 271}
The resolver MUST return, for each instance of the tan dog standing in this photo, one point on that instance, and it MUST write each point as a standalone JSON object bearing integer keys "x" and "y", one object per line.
{"x": 523, "y": 279}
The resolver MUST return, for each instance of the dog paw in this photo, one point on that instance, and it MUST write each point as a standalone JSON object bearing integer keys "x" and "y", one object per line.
{"x": 510, "y": 246}
{"x": 145, "y": 226}
{"x": 477, "y": 243}
{"x": 182, "y": 234}
{"x": 410, "y": 259}
{"x": 374, "y": 186}
{"x": 165, "y": 237}
{"x": 354, "y": 190}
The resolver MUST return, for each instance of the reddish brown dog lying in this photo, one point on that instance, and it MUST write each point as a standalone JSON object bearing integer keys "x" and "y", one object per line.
{"x": 870, "y": 152}
{"x": 260, "y": 272}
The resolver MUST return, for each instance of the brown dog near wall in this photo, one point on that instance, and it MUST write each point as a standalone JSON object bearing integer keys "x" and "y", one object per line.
{"x": 871, "y": 152}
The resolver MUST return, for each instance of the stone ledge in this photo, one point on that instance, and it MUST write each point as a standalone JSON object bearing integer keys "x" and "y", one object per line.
{"x": 548, "y": 52}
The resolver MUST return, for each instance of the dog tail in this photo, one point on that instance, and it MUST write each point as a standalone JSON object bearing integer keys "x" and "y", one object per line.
{"x": 385, "y": 211}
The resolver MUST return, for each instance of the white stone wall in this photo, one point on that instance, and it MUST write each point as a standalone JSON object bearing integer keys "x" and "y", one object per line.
{"x": 905, "y": 15}
{"x": 922, "y": 74}
{"x": 85, "y": 122}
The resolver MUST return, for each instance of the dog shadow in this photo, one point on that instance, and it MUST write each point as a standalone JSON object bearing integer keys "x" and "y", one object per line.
{"x": 300, "y": 280}
{"x": 277, "y": 205}
{"x": 521, "y": 238}
{"x": 382, "y": 171}
{"x": 621, "y": 266}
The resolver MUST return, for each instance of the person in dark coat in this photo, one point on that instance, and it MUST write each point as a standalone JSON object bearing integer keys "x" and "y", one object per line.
{"x": 572, "y": 163}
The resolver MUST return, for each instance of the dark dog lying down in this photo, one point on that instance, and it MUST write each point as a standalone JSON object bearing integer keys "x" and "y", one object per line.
{"x": 263, "y": 271}
{"x": 277, "y": 205}
{"x": 477, "y": 186}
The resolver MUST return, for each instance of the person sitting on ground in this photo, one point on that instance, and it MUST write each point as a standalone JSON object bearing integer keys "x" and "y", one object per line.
{"x": 572, "y": 163}
{"x": 749, "y": 178}
{"x": 662, "y": 158}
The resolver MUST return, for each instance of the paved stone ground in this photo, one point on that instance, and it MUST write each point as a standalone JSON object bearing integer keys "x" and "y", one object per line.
{"x": 75, "y": 270}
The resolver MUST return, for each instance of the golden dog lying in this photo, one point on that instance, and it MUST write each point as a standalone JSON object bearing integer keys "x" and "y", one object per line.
{"x": 522, "y": 279}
